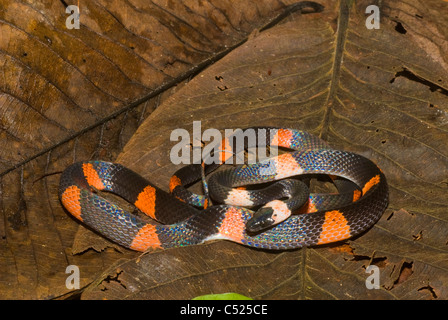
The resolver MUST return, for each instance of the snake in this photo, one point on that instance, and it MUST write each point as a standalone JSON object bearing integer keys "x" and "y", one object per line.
{"x": 289, "y": 219}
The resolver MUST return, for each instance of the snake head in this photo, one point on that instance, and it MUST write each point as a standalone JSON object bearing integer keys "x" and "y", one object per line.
{"x": 271, "y": 214}
{"x": 261, "y": 220}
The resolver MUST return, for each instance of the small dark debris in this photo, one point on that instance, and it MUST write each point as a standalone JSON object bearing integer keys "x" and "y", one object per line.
{"x": 418, "y": 236}
{"x": 399, "y": 28}
{"x": 50, "y": 42}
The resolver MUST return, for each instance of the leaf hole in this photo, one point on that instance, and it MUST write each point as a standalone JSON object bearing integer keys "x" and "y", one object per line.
{"x": 405, "y": 73}
{"x": 407, "y": 269}
{"x": 380, "y": 262}
{"x": 430, "y": 289}
{"x": 114, "y": 278}
{"x": 399, "y": 28}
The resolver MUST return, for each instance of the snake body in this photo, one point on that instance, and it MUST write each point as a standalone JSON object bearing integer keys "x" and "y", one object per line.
{"x": 181, "y": 224}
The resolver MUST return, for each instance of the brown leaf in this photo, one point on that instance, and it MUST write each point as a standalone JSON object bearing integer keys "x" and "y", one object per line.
{"x": 72, "y": 94}
{"x": 356, "y": 88}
